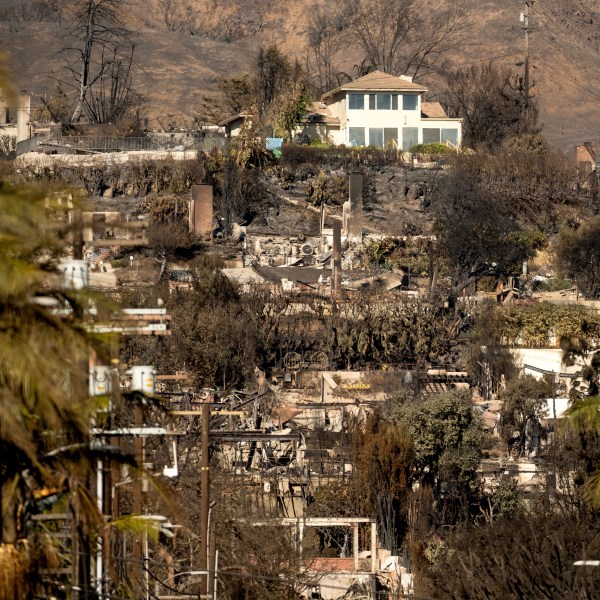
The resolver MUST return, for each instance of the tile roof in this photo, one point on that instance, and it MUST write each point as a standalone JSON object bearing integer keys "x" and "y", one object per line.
{"x": 319, "y": 113}
{"x": 379, "y": 81}
{"x": 433, "y": 110}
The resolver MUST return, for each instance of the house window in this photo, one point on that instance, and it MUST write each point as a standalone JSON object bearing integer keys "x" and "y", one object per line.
{"x": 449, "y": 135}
{"x": 356, "y": 136}
{"x": 384, "y": 101}
{"x": 383, "y": 137}
{"x": 410, "y": 137}
{"x": 431, "y": 135}
{"x": 356, "y": 101}
{"x": 390, "y": 136}
{"x": 381, "y": 101}
{"x": 410, "y": 101}
{"x": 376, "y": 136}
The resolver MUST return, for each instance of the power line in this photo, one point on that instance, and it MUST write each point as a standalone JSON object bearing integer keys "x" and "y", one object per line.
{"x": 553, "y": 69}
{"x": 479, "y": 60}
{"x": 548, "y": 68}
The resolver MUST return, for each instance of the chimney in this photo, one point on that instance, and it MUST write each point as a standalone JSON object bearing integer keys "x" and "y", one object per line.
{"x": 23, "y": 116}
{"x": 201, "y": 211}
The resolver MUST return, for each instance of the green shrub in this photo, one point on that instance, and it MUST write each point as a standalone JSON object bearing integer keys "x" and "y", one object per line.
{"x": 338, "y": 157}
{"x": 434, "y": 150}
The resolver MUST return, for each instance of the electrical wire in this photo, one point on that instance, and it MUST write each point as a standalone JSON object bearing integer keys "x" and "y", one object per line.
{"x": 479, "y": 60}
{"x": 552, "y": 70}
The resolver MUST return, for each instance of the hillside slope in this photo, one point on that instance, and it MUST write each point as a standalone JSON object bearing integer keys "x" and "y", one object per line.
{"x": 176, "y": 68}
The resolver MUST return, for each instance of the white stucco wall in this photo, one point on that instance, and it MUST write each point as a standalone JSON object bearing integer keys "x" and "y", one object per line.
{"x": 400, "y": 119}
{"x": 377, "y": 118}
{"x": 549, "y": 359}
{"x": 385, "y": 118}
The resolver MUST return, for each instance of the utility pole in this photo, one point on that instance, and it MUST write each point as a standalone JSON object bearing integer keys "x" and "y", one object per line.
{"x": 525, "y": 21}
{"x": 138, "y": 497}
{"x": 204, "y": 500}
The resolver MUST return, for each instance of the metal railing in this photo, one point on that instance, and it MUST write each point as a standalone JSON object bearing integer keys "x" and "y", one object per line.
{"x": 103, "y": 143}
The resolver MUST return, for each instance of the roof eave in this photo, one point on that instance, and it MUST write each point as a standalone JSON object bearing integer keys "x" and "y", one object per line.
{"x": 326, "y": 95}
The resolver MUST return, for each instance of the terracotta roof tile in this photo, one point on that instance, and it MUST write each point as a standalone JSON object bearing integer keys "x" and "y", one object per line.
{"x": 433, "y": 110}
{"x": 379, "y": 81}
{"x": 319, "y": 113}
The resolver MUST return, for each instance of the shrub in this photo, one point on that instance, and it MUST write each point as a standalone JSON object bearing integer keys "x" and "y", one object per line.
{"x": 337, "y": 157}
{"x": 434, "y": 150}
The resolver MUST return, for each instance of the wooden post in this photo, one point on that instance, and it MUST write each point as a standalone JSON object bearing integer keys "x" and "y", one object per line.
{"x": 374, "y": 560}
{"x": 77, "y": 234}
{"x": 204, "y": 499}
{"x": 138, "y": 504}
{"x": 112, "y": 494}
{"x": 355, "y": 545}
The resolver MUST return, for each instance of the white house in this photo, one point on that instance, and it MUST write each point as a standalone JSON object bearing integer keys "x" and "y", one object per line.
{"x": 380, "y": 109}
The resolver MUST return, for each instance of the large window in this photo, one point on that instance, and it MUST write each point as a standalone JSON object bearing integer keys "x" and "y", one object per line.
{"x": 390, "y": 136}
{"x": 431, "y": 135}
{"x": 410, "y": 101}
{"x": 356, "y": 136}
{"x": 376, "y": 136}
{"x": 410, "y": 137}
{"x": 383, "y": 102}
{"x": 434, "y": 134}
{"x": 356, "y": 101}
{"x": 379, "y": 136}
{"x": 449, "y": 135}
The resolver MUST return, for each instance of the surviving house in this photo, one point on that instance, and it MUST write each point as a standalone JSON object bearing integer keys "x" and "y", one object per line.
{"x": 380, "y": 110}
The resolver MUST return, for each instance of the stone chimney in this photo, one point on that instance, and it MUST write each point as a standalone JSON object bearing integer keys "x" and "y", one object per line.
{"x": 201, "y": 211}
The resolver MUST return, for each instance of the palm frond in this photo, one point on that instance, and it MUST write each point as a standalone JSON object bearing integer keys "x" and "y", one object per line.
{"x": 591, "y": 490}
{"x": 584, "y": 414}
{"x": 137, "y": 525}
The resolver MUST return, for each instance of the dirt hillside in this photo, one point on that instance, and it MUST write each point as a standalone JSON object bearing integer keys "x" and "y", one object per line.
{"x": 176, "y": 68}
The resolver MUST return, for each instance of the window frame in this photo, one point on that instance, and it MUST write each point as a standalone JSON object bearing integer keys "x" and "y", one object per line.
{"x": 350, "y": 135}
{"x": 351, "y": 97}
{"x": 416, "y": 138}
{"x": 405, "y": 98}
{"x": 376, "y": 131}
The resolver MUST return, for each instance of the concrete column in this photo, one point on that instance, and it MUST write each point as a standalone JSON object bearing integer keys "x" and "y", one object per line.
{"x": 300, "y": 536}
{"x": 23, "y": 116}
